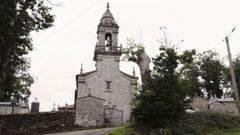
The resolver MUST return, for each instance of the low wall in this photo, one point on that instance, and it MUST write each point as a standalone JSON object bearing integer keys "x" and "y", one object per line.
{"x": 27, "y": 124}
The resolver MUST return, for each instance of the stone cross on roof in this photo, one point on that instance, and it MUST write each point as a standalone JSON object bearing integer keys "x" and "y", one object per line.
{"x": 81, "y": 70}
{"x": 35, "y": 99}
{"x": 134, "y": 71}
{"x": 108, "y": 6}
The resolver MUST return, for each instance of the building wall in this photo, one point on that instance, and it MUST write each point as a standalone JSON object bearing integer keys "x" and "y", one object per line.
{"x": 119, "y": 95}
{"x": 103, "y": 31}
{"x": 113, "y": 117}
{"x": 7, "y": 109}
{"x": 28, "y": 124}
{"x": 229, "y": 107}
{"x": 121, "y": 90}
{"x": 200, "y": 103}
{"x": 89, "y": 111}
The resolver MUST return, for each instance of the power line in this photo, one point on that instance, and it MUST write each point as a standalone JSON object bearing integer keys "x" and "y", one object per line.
{"x": 71, "y": 21}
{"x": 217, "y": 44}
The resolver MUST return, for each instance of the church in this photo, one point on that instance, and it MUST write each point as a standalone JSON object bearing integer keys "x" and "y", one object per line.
{"x": 105, "y": 95}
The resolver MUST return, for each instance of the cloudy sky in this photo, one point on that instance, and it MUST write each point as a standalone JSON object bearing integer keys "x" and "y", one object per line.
{"x": 60, "y": 51}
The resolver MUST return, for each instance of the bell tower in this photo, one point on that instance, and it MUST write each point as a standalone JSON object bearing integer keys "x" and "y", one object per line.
{"x": 107, "y": 36}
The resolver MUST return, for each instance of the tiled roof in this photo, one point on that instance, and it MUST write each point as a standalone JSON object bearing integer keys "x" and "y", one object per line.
{"x": 87, "y": 73}
{"x": 91, "y": 96}
{"x": 66, "y": 107}
{"x": 130, "y": 76}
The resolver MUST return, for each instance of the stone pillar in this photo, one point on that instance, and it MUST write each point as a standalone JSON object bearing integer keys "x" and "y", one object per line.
{"x": 35, "y": 107}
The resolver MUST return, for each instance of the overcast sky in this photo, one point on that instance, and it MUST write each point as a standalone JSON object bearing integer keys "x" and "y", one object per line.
{"x": 60, "y": 51}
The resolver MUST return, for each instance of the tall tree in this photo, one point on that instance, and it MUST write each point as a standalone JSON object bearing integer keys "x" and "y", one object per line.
{"x": 189, "y": 74}
{"x": 236, "y": 63}
{"x": 18, "y": 19}
{"x": 135, "y": 52}
{"x": 212, "y": 72}
{"x": 161, "y": 100}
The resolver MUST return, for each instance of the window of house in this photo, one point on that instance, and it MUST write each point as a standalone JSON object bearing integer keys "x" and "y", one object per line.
{"x": 108, "y": 84}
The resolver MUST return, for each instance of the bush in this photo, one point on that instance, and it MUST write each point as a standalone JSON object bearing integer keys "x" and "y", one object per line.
{"x": 198, "y": 123}
{"x": 203, "y": 122}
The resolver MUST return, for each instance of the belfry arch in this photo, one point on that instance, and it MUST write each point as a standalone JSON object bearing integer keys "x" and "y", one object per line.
{"x": 108, "y": 39}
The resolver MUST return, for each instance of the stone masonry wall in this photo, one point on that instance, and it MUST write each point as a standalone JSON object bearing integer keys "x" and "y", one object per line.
{"x": 224, "y": 107}
{"x": 28, "y": 124}
{"x": 113, "y": 117}
{"x": 89, "y": 111}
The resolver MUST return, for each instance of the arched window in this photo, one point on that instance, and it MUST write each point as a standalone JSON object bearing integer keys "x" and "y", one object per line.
{"x": 108, "y": 39}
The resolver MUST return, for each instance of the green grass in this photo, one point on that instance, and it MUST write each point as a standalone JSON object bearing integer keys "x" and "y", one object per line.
{"x": 118, "y": 131}
{"x": 200, "y": 123}
{"x": 236, "y": 131}
{"x": 226, "y": 132}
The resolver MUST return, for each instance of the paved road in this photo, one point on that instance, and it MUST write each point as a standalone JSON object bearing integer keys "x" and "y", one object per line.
{"x": 86, "y": 132}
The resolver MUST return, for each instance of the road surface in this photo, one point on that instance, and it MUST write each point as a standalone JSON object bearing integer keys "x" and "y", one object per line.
{"x": 86, "y": 132}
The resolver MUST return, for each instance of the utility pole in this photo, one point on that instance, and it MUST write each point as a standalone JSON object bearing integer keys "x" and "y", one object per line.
{"x": 232, "y": 72}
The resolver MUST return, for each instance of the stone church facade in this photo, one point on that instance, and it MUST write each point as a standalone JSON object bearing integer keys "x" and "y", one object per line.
{"x": 107, "y": 84}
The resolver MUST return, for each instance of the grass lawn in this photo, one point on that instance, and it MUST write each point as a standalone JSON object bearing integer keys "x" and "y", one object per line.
{"x": 226, "y": 132}
{"x": 118, "y": 131}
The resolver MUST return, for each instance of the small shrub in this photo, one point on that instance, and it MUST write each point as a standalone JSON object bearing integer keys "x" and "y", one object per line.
{"x": 203, "y": 122}
{"x": 198, "y": 123}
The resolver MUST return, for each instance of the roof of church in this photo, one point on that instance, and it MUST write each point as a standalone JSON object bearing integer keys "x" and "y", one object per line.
{"x": 107, "y": 14}
{"x": 87, "y": 73}
{"x": 107, "y": 18}
{"x": 91, "y": 97}
{"x": 130, "y": 76}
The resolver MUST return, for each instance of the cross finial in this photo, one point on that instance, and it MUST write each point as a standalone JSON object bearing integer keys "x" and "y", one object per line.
{"x": 81, "y": 70}
{"x": 134, "y": 71}
{"x": 35, "y": 99}
{"x": 54, "y": 107}
{"x": 108, "y": 6}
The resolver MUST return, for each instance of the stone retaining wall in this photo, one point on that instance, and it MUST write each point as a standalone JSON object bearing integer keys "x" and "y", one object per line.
{"x": 27, "y": 124}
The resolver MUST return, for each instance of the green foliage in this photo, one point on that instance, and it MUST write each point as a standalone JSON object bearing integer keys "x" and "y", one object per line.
{"x": 189, "y": 74}
{"x": 213, "y": 74}
{"x": 189, "y": 79}
{"x": 133, "y": 51}
{"x": 163, "y": 96}
{"x": 119, "y": 131}
{"x": 226, "y": 132}
{"x": 18, "y": 19}
{"x": 204, "y": 122}
{"x": 199, "y": 123}
{"x": 236, "y": 64}
{"x": 161, "y": 100}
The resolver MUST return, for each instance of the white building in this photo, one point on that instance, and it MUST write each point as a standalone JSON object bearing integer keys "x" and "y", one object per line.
{"x": 107, "y": 82}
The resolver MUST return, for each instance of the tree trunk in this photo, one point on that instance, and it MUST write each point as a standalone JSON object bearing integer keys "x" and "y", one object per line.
{"x": 143, "y": 64}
